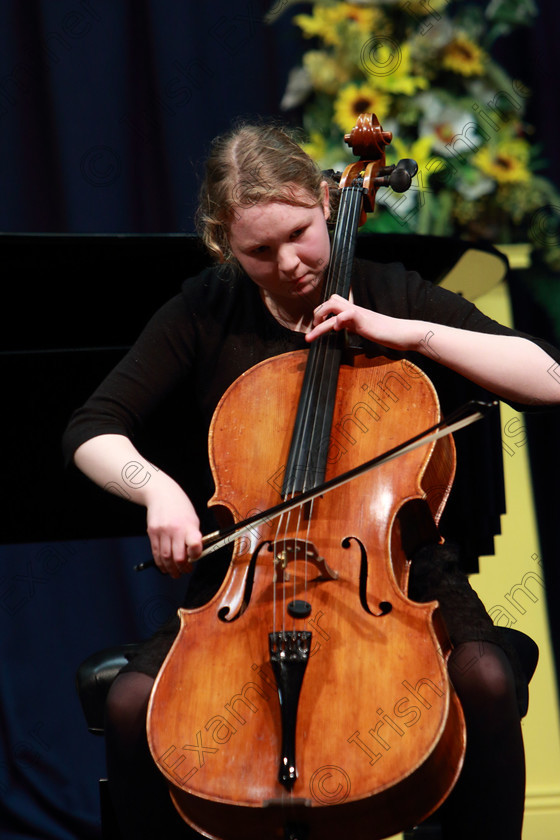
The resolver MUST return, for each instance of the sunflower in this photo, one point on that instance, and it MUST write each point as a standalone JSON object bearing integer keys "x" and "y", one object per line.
{"x": 325, "y": 73}
{"x": 506, "y": 163}
{"x": 328, "y": 23}
{"x": 391, "y": 68}
{"x": 421, "y": 8}
{"x": 464, "y": 57}
{"x": 354, "y": 100}
{"x": 365, "y": 19}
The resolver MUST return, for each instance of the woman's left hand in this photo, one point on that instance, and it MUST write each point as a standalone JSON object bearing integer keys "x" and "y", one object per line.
{"x": 337, "y": 313}
{"x": 510, "y": 366}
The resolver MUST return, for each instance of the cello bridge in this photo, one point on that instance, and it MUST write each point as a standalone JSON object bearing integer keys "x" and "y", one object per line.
{"x": 288, "y": 551}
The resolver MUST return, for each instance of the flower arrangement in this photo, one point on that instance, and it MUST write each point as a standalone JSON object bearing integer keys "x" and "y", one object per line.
{"x": 424, "y": 68}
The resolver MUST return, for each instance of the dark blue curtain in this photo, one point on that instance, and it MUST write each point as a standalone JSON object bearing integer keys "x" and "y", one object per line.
{"x": 106, "y": 106}
{"x": 60, "y": 602}
{"x": 106, "y": 109}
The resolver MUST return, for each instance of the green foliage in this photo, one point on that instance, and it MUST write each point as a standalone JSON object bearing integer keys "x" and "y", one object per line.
{"x": 425, "y": 69}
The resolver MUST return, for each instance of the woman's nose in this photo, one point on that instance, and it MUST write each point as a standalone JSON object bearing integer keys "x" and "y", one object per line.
{"x": 288, "y": 259}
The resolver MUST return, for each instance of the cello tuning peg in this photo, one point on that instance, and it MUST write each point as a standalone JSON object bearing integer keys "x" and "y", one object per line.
{"x": 398, "y": 177}
{"x": 401, "y": 177}
{"x": 332, "y": 175}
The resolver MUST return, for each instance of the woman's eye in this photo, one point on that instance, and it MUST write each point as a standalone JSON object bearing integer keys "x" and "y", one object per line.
{"x": 297, "y": 233}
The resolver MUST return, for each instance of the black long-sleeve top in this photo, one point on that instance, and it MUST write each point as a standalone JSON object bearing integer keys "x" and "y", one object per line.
{"x": 217, "y": 327}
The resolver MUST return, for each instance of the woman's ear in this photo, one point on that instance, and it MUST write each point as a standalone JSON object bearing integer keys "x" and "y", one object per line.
{"x": 326, "y": 200}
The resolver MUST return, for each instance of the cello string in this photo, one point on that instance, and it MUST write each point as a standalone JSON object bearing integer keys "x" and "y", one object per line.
{"x": 324, "y": 366}
{"x": 279, "y": 568}
{"x": 294, "y": 584}
{"x": 303, "y": 458}
{"x": 317, "y": 377}
{"x": 322, "y": 363}
{"x": 321, "y": 371}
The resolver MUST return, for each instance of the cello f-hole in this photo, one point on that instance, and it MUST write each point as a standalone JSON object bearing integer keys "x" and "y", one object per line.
{"x": 385, "y": 607}
{"x": 249, "y": 580}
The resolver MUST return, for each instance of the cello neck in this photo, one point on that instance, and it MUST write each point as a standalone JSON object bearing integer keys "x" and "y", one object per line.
{"x": 339, "y": 272}
{"x": 312, "y": 428}
{"x": 309, "y": 448}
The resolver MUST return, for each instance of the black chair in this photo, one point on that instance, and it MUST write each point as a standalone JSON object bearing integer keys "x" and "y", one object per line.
{"x": 97, "y": 672}
{"x": 93, "y": 681}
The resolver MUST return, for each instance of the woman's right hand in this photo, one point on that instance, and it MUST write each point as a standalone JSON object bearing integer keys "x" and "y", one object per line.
{"x": 112, "y": 461}
{"x": 173, "y": 527}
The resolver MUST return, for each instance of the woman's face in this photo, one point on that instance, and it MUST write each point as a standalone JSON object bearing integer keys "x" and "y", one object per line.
{"x": 284, "y": 248}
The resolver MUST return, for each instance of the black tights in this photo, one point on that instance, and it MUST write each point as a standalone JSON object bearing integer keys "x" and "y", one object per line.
{"x": 138, "y": 789}
{"x": 489, "y": 797}
{"x": 487, "y": 801}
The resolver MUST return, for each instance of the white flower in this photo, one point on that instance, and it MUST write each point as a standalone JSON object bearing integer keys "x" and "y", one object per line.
{"x": 447, "y": 122}
{"x": 432, "y": 36}
{"x": 298, "y": 88}
{"x": 403, "y": 206}
{"x": 473, "y": 191}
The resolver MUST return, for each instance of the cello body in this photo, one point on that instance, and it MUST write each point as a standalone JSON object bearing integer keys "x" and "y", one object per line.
{"x": 369, "y": 725}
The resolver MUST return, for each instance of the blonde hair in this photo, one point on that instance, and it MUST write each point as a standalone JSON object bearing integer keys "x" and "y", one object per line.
{"x": 252, "y": 163}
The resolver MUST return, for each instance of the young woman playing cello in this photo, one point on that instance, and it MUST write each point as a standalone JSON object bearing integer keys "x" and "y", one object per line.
{"x": 263, "y": 215}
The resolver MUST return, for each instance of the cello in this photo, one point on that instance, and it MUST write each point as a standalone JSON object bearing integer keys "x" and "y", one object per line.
{"x": 310, "y": 695}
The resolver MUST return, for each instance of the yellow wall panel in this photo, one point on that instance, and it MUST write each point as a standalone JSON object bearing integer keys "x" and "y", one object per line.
{"x": 511, "y": 585}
